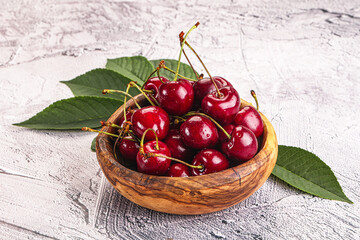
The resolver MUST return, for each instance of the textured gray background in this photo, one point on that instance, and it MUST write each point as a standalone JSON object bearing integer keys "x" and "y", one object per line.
{"x": 302, "y": 58}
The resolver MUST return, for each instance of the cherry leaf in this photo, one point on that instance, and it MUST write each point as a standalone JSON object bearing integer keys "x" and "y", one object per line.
{"x": 305, "y": 171}
{"x": 73, "y": 113}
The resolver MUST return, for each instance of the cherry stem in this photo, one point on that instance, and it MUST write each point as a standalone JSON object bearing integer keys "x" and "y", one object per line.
{"x": 133, "y": 84}
{"x": 143, "y": 139}
{"x": 127, "y": 90}
{"x": 170, "y": 70}
{"x": 178, "y": 160}
{"x": 110, "y": 124}
{"x": 207, "y": 71}
{"x": 93, "y": 130}
{"x": 181, "y": 35}
{"x": 253, "y": 94}
{"x": 213, "y": 120}
{"x": 152, "y": 73}
{"x": 182, "y": 46}
{"x": 105, "y": 91}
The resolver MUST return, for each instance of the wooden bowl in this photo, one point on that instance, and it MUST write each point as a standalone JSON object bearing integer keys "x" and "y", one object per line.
{"x": 190, "y": 195}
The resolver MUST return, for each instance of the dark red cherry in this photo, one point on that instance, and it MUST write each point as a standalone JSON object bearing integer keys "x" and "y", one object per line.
{"x": 177, "y": 148}
{"x": 211, "y": 159}
{"x": 153, "y": 165}
{"x": 249, "y": 117}
{"x": 199, "y": 132}
{"x": 150, "y": 117}
{"x": 128, "y": 149}
{"x": 176, "y": 97}
{"x": 153, "y": 84}
{"x": 205, "y": 86}
{"x": 222, "y": 108}
{"x": 178, "y": 170}
{"x": 242, "y": 146}
{"x": 228, "y": 128}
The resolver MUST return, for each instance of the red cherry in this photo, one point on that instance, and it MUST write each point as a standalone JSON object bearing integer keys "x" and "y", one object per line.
{"x": 153, "y": 84}
{"x": 129, "y": 148}
{"x": 212, "y": 160}
{"x": 177, "y": 148}
{"x": 222, "y": 108}
{"x": 153, "y": 165}
{"x": 242, "y": 146}
{"x": 150, "y": 117}
{"x": 205, "y": 86}
{"x": 249, "y": 117}
{"x": 199, "y": 132}
{"x": 178, "y": 170}
{"x": 176, "y": 97}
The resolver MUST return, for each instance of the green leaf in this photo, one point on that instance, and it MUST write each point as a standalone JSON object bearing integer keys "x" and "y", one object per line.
{"x": 93, "y": 145}
{"x": 73, "y": 113}
{"x": 185, "y": 69}
{"x": 305, "y": 171}
{"x": 136, "y": 68}
{"x": 93, "y": 82}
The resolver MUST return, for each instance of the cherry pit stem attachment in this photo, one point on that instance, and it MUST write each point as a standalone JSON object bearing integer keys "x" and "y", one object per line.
{"x": 211, "y": 119}
{"x": 253, "y": 94}
{"x": 182, "y": 46}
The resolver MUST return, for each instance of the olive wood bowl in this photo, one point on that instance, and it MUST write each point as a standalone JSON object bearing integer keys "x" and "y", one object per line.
{"x": 187, "y": 195}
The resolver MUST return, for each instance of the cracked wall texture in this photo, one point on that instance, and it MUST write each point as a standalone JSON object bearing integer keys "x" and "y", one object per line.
{"x": 302, "y": 58}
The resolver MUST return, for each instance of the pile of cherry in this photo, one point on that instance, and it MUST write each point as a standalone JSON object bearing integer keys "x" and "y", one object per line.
{"x": 191, "y": 127}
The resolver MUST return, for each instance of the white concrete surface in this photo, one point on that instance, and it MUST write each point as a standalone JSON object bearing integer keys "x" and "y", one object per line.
{"x": 302, "y": 58}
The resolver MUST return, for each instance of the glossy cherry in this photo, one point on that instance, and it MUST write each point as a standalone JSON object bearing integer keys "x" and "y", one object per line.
{"x": 205, "y": 86}
{"x": 153, "y": 165}
{"x": 199, "y": 132}
{"x": 242, "y": 146}
{"x": 249, "y": 117}
{"x": 153, "y": 84}
{"x": 212, "y": 160}
{"x": 222, "y": 108}
{"x": 177, "y": 148}
{"x": 178, "y": 170}
{"x": 150, "y": 117}
{"x": 176, "y": 97}
{"x": 128, "y": 149}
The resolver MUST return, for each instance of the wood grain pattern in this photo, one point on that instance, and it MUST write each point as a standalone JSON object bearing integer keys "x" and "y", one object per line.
{"x": 191, "y": 195}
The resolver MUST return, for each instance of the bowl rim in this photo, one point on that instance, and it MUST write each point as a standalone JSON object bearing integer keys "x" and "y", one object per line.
{"x": 225, "y": 177}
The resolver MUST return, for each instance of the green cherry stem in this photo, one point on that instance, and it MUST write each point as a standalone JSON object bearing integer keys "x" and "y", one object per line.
{"x": 170, "y": 70}
{"x": 105, "y": 91}
{"x": 182, "y": 46}
{"x": 207, "y": 71}
{"x": 181, "y": 35}
{"x": 178, "y": 160}
{"x": 110, "y": 124}
{"x": 133, "y": 84}
{"x": 143, "y": 139}
{"x": 211, "y": 119}
{"x": 253, "y": 94}
{"x": 93, "y": 130}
